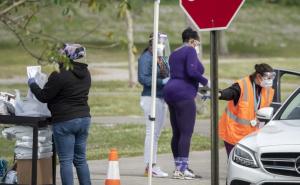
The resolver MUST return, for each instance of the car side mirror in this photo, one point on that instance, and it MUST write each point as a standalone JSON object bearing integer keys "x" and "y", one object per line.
{"x": 265, "y": 114}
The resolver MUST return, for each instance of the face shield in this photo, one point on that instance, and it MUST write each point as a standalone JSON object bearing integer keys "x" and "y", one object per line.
{"x": 163, "y": 46}
{"x": 269, "y": 76}
{"x": 267, "y": 79}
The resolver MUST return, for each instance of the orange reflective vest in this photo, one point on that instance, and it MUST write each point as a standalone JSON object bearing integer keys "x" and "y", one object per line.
{"x": 235, "y": 121}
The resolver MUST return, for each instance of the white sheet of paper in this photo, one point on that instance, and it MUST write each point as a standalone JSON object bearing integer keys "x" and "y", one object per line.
{"x": 33, "y": 70}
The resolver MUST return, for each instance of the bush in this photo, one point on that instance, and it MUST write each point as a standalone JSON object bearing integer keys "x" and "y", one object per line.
{"x": 248, "y": 2}
{"x": 285, "y": 2}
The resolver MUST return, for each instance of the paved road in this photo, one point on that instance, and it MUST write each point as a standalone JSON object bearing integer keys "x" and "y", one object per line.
{"x": 131, "y": 170}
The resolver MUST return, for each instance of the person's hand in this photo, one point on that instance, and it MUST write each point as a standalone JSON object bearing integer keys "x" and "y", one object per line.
{"x": 204, "y": 90}
{"x": 31, "y": 81}
{"x": 208, "y": 84}
{"x": 165, "y": 80}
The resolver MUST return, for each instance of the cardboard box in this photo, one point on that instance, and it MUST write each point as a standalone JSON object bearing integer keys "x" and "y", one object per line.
{"x": 44, "y": 171}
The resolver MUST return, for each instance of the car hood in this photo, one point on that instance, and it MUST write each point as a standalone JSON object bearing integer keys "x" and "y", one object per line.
{"x": 275, "y": 133}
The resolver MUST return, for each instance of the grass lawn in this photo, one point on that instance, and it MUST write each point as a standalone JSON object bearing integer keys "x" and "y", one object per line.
{"x": 260, "y": 29}
{"x": 115, "y": 98}
{"x": 236, "y": 68}
{"x": 6, "y": 148}
{"x": 119, "y": 105}
{"x": 128, "y": 139}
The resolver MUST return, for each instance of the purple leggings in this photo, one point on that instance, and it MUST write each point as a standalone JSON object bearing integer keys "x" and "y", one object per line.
{"x": 228, "y": 147}
{"x": 182, "y": 117}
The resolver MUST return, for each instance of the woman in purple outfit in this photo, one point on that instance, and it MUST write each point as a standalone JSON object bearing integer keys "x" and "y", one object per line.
{"x": 186, "y": 72}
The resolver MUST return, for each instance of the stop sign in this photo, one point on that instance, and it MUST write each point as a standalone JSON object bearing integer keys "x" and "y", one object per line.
{"x": 211, "y": 14}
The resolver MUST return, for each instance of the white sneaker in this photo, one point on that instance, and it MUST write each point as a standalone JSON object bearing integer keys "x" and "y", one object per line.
{"x": 187, "y": 175}
{"x": 178, "y": 174}
{"x": 156, "y": 172}
{"x": 193, "y": 174}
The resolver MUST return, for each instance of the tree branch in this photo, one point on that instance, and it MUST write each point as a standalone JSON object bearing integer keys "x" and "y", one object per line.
{"x": 12, "y": 7}
{"x": 24, "y": 28}
{"x": 3, "y": 3}
{"x": 21, "y": 41}
{"x": 115, "y": 44}
{"x": 29, "y": 18}
{"x": 88, "y": 32}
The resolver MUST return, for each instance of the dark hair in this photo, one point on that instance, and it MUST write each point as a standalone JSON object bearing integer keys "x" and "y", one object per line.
{"x": 188, "y": 34}
{"x": 150, "y": 41}
{"x": 261, "y": 69}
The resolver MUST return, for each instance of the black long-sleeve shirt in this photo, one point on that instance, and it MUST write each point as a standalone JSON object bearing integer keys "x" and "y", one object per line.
{"x": 234, "y": 91}
{"x": 66, "y": 93}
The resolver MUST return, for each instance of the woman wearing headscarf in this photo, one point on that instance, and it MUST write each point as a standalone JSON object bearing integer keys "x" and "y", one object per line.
{"x": 66, "y": 94}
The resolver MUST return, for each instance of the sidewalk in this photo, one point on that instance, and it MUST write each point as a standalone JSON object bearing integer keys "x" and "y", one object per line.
{"x": 132, "y": 169}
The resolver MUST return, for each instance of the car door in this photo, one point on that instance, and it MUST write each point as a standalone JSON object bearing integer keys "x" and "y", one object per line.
{"x": 285, "y": 83}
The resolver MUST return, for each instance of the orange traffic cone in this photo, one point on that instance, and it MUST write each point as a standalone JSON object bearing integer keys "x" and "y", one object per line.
{"x": 113, "y": 175}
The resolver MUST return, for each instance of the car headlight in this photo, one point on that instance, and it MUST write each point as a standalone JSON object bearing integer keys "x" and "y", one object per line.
{"x": 244, "y": 156}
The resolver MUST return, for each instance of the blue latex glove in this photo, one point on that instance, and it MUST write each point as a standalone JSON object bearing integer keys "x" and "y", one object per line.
{"x": 165, "y": 80}
{"x": 205, "y": 97}
{"x": 31, "y": 81}
{"x": 208, "y": 96}
{"x": 204, "y": 90}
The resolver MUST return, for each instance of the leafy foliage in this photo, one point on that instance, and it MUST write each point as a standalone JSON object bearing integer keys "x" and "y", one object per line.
{"x": 21, "y": 18}
{"x": 285, "y": 2}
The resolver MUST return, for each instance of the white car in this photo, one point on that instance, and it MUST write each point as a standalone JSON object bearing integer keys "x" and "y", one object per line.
{"x": 270, "y": 156}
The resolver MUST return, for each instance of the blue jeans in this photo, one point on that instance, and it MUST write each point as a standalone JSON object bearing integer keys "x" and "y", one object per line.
{"x": 70, "y": 139}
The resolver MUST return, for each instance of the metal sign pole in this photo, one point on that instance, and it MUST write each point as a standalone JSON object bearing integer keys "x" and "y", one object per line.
{"x": 153, "y": 86}
{"x": 214, "y": 108}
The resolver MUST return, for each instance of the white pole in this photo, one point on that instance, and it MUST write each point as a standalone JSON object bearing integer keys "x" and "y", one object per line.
{"x": 153, "y": 86}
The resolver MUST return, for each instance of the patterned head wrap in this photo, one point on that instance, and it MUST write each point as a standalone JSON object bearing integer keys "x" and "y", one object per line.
{"x": 73, "y": 51}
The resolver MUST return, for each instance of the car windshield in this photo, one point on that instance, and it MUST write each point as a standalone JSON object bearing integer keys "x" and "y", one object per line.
{"x": 292, "y": 111}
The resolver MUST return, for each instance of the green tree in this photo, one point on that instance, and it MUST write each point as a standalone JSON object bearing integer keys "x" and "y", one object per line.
{"x": 10, "y": 11}
{"x": 125, "y": 13}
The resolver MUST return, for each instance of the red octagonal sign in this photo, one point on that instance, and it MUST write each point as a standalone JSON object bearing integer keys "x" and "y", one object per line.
{"x": 211, "y": 14}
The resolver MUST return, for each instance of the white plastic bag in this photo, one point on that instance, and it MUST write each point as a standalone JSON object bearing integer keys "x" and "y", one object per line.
{"x": 201, "y": 104}
{"x": 30, "y": 106}
{"x": 9, "y": 101}
{"x": 13, "y": 132}
{"x": 33, "y": 70}
{"x": 18, "y": 103}
{"x": 3, "y": 108}
{"x": 41, "y": 79}
{"x": 26, "y": 150}
{"x": 11, "y": 177}
{"x": 28, "y": 144}
{"x": 29, "y": 156}
{"x": 24, "y": 134}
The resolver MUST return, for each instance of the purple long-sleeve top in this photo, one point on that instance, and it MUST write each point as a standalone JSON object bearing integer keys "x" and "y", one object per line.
{"x": 186, "y": 72}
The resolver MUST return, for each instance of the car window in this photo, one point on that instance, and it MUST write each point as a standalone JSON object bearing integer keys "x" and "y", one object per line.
{"x": 288, "y": 84}
{"x": 292, "y": 111}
